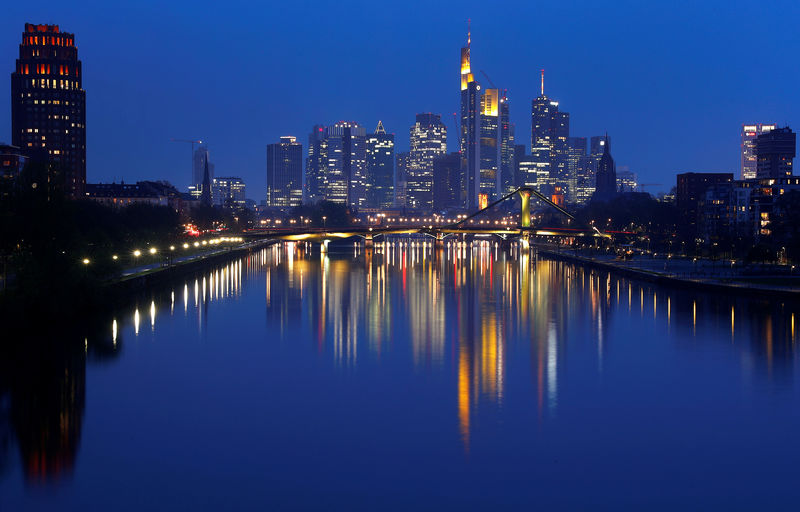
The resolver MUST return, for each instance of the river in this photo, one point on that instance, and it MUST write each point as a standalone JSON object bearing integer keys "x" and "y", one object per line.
{"x": 402, "y": 378}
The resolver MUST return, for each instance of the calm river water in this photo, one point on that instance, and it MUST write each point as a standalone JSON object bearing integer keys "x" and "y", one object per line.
{"x": 400, "y": 379}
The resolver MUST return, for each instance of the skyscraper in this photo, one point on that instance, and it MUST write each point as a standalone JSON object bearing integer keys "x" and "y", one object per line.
{"x": 285, "y": 173}
{"x": 606, "y": 183}
{"x": 316, "y": 161}
{"x": 490, "y": 185}
{"x": 400, "y": 179}
{"x": 507, "y": 151}
{"x": 347, "y": 162}
{"x": 380, "y": 168}
{"x": 428, "y": 139}
{"x": 576, "y": 174}
{"x": 749, "y": 134}
{"x": 470, "y": 128}
{"x": 549, "y": 135}
{"x": 48, "y": 103}
{"x": 229, "y": 192}
{"x": 448, "y": 192}
{"x": 775, "y": 152}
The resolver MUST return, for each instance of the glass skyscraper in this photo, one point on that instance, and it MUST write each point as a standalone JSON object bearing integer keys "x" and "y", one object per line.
{"x": 428, "y": 139}
{"x": 380, "y": 168}
{"x": 285, "y": 173}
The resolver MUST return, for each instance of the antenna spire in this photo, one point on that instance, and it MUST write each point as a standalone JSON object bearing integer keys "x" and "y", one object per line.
{"x": 542, "y": 82}
{"x": 469, "y": 31}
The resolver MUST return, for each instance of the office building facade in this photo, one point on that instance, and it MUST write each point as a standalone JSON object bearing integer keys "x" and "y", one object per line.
{"x": 428, "y": 139}
{"x": 48, "y": 104}
{"x": 775, "y": 152}
{"x": 285, "y": 173}
{"x": 750, "y": 132}
{"x": 380, "y": 168}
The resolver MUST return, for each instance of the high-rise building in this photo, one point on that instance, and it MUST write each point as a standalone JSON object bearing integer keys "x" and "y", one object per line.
{"x": 550, "y": 134}
{"x": 470, "y": 129}
{"x": 606, "y": 178}
{"x": 401, "y": 179}
{"x": 749, "y": 134}
{"x": 428, "y": 139}
{"x": 490, "y": 184}
{"x": 576, "y": 174}
{"x": 775, "y": 152}
{"x": 285, "y": 173}
{"x": 507, "y": 151}
{"x": 627, "y": 181}
{"x": 691, "y": 189}
{"x": 316, "y": 162}
{"x": 48, "y": 104}
{"x": 380, "y": 168}
{"x": 336, "y": 164}
{"x": 519, "y": 156}
{"x": 448, "y": 191}
{"x": 229, "y": 192}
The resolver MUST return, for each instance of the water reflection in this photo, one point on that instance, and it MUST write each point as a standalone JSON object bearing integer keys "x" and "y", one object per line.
{"x": 474, "y": 312}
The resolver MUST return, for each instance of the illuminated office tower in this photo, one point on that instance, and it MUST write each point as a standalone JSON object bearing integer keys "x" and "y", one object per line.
{"x": 549, "y": 135}
{"x": 316, "y": 162}
{"x": 507, "y": 148}
{"x": 346, "y": 162}
{"x": 380, "y": 168}
{"x": 749, "y": 134}
{"x": 400, "y": 179}
{"x": 470, "y": 129}
{"x": 490, "y": 184}
{"x": 229, "y": 192}
{"x": 428, "y": 139}
{"x": 48, "y": 104}
{"x": 285, "y": 173}
{"x": 627, "y": 181}
{"x": 519, "y": 156}
{"x": 576, "y": 174}
{"x": 775, "y": 152}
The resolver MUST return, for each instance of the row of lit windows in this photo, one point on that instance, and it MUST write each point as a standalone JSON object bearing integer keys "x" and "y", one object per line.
{"x": 46, "y": 83}
{"x": 45, "y": 69}
{"x": 45, "y": 40}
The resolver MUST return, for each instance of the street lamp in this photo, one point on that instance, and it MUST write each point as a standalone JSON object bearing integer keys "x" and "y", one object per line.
{"x": 85, "y": 261}
{"x": 137, "y": 253}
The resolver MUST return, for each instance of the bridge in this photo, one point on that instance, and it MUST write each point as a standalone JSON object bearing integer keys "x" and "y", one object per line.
{"x": 524, "y": 232}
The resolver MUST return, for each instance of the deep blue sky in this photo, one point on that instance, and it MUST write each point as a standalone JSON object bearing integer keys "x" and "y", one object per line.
{"x": 671, "y": 81}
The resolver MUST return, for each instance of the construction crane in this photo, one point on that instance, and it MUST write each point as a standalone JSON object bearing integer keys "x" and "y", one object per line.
{"x": 488, "y": 79}
{"x": 191, "y": 160}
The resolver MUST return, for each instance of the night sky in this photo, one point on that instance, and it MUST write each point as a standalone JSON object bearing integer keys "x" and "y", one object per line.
{"x": 671, "y": 82}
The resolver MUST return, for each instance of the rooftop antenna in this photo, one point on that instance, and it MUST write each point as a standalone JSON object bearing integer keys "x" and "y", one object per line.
{"x": 542, "y": 82}
{"x": 469, "y": 31}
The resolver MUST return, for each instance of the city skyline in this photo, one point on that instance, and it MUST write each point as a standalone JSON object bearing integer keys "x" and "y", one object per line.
{"x": 611, "y": 102}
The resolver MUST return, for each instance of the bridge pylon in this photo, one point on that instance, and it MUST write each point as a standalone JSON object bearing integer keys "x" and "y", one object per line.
{"x": 525, "y": 216}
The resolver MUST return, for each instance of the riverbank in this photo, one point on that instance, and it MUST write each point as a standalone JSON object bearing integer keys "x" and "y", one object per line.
{"x": 158, "y": 275}
{"x": 725, "y": 284}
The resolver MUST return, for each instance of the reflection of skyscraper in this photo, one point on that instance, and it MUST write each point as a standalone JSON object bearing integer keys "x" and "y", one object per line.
{"x": 428, "y": 139}
{"x": 380, "y": 168}
{"x": 749, "y": 134}
{"x": 48, "y": 103}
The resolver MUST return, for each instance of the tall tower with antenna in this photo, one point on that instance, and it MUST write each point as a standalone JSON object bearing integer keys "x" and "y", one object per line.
{"x": 470, "y": 126}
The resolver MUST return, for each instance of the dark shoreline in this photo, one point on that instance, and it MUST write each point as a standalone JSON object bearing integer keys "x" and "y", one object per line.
{"x": 676, "y": 282}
